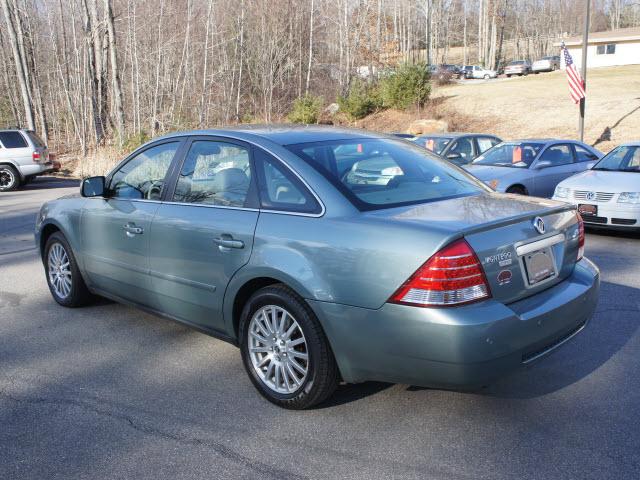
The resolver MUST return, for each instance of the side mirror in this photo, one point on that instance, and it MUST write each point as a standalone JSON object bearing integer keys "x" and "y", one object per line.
{"x": 92, "y": 187}
{"x": 543, "y": 164}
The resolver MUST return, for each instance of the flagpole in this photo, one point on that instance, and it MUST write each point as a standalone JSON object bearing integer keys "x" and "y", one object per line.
{"x": 585, "y": 45}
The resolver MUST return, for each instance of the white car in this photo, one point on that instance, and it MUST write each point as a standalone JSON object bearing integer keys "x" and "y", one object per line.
{"x": 475, "y": 71}
{"x": 608, "y": 195}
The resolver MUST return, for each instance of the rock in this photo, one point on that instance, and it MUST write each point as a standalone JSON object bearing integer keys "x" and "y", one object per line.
{"x": 332, "y": 109}
{"x": 419, "y": 127}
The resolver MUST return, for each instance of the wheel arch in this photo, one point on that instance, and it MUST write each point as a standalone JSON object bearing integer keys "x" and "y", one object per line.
{"x": 518, "y": 185}
{"x": 15, "y": 165}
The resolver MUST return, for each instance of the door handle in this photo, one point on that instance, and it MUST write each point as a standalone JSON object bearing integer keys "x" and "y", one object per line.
{"x": 131, "y": 229}
{"x": 226, "y": 242}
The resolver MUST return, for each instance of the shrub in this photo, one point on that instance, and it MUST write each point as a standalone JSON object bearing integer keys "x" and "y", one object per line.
{"x": 306, "y": 109}
{"x": 408, "y": 86}
{"x": 134, "y": 140}
{"x": 361, "y": 100}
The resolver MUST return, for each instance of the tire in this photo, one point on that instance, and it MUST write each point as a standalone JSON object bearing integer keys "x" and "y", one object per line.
{"x": 9, "y": 178}
{"x": 517, "y": 190}
{"x": 487, "y": 77}
{"x": 508, "y": 75}
{"x": 271, "y": 371}
{"x": 57, "y": 253}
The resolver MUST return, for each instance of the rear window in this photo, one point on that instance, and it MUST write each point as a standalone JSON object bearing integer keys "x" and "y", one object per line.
{"x": 37, "y": 141}
{"x": 12, "y": 140}
{"x": 384, "y": 173}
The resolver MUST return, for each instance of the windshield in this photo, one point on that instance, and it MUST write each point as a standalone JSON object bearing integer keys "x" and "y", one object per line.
{"x": 434, "y": 144}
{"x": 620, "y": 159}
{"x": 516, "y": 155}
{"x": 517, "y": 62}
{"x": 384, "y": 173}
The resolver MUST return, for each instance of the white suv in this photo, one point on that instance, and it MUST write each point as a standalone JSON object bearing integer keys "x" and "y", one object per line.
{"x": 23, "y": 156}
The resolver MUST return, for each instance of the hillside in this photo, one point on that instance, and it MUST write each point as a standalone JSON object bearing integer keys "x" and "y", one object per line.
{"x": 534, "y": 106}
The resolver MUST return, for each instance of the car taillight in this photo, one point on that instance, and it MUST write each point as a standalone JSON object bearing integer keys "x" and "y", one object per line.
{"x": 453, "y": 276}
{"x": 36, "y": 156}
{"x": 580, "y": 237}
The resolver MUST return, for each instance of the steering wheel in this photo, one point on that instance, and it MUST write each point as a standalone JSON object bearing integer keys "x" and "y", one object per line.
{"x": 155, "y": 189}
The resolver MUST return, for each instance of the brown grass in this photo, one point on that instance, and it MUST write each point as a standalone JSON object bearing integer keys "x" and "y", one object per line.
{"x": 539, "y": 105}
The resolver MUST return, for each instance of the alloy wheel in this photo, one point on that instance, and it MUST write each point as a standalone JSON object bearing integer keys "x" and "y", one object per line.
{"x": 278, "y": 349}
{"x": 6, "y": 178}
{"x": 59, "y": 269}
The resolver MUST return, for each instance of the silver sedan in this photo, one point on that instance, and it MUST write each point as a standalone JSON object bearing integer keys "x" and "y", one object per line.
{"x": 532, "y": 167}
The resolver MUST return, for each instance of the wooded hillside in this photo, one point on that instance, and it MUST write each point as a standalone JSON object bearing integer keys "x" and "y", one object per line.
{"x": 88, "y": 72}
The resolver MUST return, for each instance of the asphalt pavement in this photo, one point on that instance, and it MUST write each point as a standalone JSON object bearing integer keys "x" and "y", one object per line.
{"x": 111, "y": 392}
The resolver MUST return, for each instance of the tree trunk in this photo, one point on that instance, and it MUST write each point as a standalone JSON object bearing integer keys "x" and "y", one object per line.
{"x": 19, "y": 65}
{"x": 115, "y": 72}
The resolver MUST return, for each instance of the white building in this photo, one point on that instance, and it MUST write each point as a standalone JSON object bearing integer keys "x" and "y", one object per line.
{"x": 606, "y": 49}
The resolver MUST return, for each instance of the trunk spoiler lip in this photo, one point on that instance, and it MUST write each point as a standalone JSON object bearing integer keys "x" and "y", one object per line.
{"x": 501, "y": 222}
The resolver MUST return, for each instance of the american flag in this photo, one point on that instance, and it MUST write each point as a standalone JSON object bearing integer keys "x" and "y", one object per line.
{"x": 576, "y": 85}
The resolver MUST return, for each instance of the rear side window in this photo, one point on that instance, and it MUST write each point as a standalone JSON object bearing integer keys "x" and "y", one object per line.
{"x": 280, "y": 189}
{"x": 386, "y": 173}
{"x": 35, "y": 139}
{"x": 12, "y": 140}
{"x": 485, "y": 143}
{"x": 557, "y": 155}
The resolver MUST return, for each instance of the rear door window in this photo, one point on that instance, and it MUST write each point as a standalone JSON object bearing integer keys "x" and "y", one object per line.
{"x": 214, "y": 173}
{"x": 12, "y": 140}
{"x": 463, "y": 147}
{"x": 558, "y": 155}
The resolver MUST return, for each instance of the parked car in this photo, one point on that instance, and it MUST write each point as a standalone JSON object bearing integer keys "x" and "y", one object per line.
{"x": 455, "y": 70}
{"x": 518, "y": 67}
{"x": 532, "y": 167}
{"x": 458, "y": 148}
{"x": 608, "y": 195}
{"x": 257, "y": 236}
{"x": 546, "y": 64}
{"x": 23, "y": 156}
{"x": 475, "y": 71}
{"x": 406, "y": 136}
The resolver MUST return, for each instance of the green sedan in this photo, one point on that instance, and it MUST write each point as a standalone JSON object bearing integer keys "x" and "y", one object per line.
{"x": 327, "y": 255}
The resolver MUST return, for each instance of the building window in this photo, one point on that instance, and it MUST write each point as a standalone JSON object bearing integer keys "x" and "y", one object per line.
{"x": 609, "y": 49}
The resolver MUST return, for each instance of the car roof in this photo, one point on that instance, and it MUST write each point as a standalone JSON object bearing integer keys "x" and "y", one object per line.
{"x": 284, "y": 134}
{"x": 455, "y": 134}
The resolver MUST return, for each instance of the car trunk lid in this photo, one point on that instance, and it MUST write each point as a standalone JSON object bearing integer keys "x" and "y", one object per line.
{"x": 501, "y": 229}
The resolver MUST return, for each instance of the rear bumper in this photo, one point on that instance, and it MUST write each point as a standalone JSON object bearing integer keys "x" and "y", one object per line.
{"x": 457, "y": 347}
{"x": 36, "y": 168}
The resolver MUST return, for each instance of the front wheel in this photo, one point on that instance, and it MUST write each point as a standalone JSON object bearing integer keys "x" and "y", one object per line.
{"x": 9, "y": 178}
{"x": 284, "y": 349}
{"x": 63, "y": 276}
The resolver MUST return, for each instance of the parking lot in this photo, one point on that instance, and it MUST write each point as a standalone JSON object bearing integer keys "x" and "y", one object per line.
{"x": 111, "y": 392}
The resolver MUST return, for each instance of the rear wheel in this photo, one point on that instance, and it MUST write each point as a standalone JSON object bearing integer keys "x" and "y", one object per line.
{"x": 284, "y": 349}
{"x": 63, "y": 276}
{"x": 9, "y": 178}
{"x": 517, "y": 189}
{"x": 486, "y": 77}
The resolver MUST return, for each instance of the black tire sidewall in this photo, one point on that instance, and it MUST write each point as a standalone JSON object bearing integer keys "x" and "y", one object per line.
{"x": 16, "y": 178}
{"x": 282, "y": 297}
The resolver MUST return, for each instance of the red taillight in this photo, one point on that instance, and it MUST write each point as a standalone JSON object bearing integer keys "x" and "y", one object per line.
{"x": 580, "y": 237}
{"x": 452, "y": 276}
{"x": 36, "y": 156}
